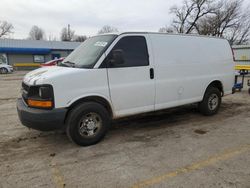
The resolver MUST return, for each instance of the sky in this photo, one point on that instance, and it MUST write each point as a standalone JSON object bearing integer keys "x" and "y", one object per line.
{"x": 86, "y": 17}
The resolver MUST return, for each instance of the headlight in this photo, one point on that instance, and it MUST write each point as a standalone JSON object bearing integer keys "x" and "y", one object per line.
{"x": 45, "y": 92}
{"x": 41, "y": 96}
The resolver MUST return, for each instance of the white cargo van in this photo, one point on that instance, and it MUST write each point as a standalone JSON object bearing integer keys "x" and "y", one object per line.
{"x": 116, "y": 75}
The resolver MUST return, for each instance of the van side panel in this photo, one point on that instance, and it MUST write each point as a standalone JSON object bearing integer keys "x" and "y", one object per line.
{"x": 186, "y": 65}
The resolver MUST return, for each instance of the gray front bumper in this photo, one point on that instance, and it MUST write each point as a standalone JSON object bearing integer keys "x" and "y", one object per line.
{"x": 41, "y": 119}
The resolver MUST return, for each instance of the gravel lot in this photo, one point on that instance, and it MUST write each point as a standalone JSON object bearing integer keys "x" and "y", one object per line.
{"x": 171, "y": 148}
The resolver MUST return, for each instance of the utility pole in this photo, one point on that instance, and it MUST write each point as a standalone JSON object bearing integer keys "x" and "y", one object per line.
{"x": 68, "y": 32}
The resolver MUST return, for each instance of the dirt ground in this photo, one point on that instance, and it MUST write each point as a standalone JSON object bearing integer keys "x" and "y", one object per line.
{"x": 171, "y": 148}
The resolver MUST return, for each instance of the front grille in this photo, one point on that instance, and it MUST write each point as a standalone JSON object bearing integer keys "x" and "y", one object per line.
{"x": 25, "y": 91}
{"x": 25, "y": 87}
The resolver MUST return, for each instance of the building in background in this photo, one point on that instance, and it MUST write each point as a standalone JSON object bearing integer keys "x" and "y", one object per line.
{"x": 242, "y": 54}
{"x": 24, "y": 52}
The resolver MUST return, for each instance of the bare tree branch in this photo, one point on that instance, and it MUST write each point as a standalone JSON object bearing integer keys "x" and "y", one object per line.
{"x": 107, "y": 29}
{"x": 221, "y": 18}
{"x": 36, "y": 33}
{"x": 67, "y": 34}
{"x": 5, "y": 28}
{"x": 166, "y": 29}
{"x": 182, "y": 15}
{"x": 240, "y": 33}
{"x": 189, "y": 13}
{"x": 80, "y": 38}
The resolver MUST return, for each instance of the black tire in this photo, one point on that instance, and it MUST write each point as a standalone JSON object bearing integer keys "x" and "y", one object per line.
{"x": 211, "y": 102}
{"x": 82, "y": 114}
{"x": 3, "y": 70}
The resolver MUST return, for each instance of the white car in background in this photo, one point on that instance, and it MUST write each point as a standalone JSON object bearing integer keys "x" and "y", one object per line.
{"x": 4, "y": 68}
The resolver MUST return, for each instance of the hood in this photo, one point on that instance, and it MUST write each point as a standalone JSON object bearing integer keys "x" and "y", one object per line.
{"x": 39, "y": 76}
{"x": 5, "y": 65}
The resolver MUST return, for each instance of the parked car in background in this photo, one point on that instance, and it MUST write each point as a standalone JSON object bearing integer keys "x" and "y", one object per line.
{"x": 4, "y": 68}
{"x": 52, "y": 62}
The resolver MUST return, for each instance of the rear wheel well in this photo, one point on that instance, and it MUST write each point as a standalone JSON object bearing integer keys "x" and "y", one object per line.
{"x": 217, "y": 84}
{"x": 96, "y": 99}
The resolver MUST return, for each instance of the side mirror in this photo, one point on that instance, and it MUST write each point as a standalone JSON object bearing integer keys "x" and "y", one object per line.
{"x": 117, "y": 57}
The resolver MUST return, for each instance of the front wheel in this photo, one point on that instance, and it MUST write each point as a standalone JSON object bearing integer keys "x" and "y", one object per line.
{"x": 87, "y": 123}
{"x": 3, "y": 70}
{"x": 211, "y": 102}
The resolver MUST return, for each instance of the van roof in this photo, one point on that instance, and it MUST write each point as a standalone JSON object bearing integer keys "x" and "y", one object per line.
{"x": 241, "y": 46}
{"x": 178, "y": 34}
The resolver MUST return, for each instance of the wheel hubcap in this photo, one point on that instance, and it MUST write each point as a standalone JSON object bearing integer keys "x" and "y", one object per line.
{"x": 90, "y": 124}
{"x": 213, "y": 102}
{"x": 3, "y": 70}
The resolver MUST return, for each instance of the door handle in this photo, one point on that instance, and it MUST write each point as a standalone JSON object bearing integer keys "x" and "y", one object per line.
{"x": 151, "y": 72}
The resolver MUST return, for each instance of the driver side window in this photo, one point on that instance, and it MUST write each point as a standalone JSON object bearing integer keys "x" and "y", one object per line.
{"x": 134, "y": 51}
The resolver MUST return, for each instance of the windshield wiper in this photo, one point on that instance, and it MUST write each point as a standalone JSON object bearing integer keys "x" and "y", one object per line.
{"x": 68, "y": 64}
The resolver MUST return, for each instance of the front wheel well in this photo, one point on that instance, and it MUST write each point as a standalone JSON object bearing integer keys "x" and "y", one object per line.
{"x": 217, "y": 84}
{"x": 96, "y": 99}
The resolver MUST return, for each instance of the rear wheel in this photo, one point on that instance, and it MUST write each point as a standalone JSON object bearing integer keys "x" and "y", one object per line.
{"x": 87, "y": 123}
{"x": 211, "y": 101}
{"x": 3, "y": 70}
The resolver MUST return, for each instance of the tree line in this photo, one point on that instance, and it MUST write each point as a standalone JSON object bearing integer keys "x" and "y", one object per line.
{"x": 220, "y": 18}
{"x": 37, "y": 33}
{"x": 67, "y": 34}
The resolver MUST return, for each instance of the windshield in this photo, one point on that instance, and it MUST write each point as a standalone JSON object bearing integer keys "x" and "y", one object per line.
{"x": 87, "y": 54}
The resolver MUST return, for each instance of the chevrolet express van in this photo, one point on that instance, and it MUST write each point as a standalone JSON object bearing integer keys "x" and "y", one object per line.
{"x": 117, "y": 75}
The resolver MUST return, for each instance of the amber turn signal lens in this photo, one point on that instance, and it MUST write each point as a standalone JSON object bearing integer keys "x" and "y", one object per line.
{"x": 40, "y": 104}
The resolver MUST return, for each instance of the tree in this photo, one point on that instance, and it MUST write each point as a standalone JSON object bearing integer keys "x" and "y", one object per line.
{"x": 51, "y": 37}
{"x": 187, "y": 16}
{"x": 67, "y": 34}
{"x": 219, "y": 18}
{"x": 36, "y": 33}
{"x": 224, "y": 17}
{"x": 166, "y": 29}
{"x": 240, "y": 34}
{"x": 80, "y": 38}
{"x": 229, "y": 21}
{"x": 107, "y": 29}
{"x": 5, "y": 28}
